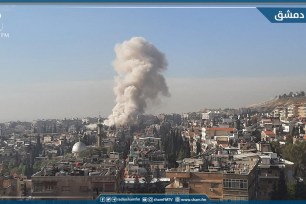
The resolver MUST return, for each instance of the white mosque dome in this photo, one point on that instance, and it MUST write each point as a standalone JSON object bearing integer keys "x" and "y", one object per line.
{"x": 78, "y": 147}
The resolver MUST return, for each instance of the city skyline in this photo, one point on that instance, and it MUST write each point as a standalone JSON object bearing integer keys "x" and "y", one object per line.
{"x": 57, "y": 62}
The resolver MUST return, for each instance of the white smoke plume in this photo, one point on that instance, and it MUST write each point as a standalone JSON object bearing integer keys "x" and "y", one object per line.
{"x": 139, "y": 65}
{"x": 91, "y": 126}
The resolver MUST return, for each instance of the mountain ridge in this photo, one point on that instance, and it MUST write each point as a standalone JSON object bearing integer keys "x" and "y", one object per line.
{"x": 273, "y": 103}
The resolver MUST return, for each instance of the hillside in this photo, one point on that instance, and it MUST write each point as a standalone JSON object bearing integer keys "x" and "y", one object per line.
{"x": 271, "y": 104}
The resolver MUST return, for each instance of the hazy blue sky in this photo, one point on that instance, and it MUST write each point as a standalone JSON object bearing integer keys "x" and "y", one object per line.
{"x": 57, "y": 61}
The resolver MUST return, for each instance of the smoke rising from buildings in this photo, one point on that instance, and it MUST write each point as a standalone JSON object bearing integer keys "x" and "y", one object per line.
{"x": 92, "y": 126}
{"x": 139, "y": 81}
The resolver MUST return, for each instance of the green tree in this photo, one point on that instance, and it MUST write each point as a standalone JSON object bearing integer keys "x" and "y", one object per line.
{"x": 199, "y": 148}
{"x": 302, "y": 131}
{"x": 184, "y": 151}
{"x": 280, "y": 191}
{"x": 181, "y": 154}
{"x": 296, "y": 190}
{"x": 275, "y": 147}
{"x": 5, "y": 169}
{"x": 300, "y": 190}
{"x": 282, "y": 186}
{"x": 291, "y": 190}
{"x": 136, "y": 186}
{"x": 257, "y": 135}
{"x": 187, "y": 146}
{"x": 158, "y": 184}
{"x": 148, "y": 178}
{"x": 274, "y": 193}
{"x": 297, "y": 154}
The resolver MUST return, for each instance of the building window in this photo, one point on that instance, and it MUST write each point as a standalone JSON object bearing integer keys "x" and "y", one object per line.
{"x": 225, "y": 183}
{"x": 49, "y": 188}
{"x": 245, "y": 184}
{"x": 235, "y": 183}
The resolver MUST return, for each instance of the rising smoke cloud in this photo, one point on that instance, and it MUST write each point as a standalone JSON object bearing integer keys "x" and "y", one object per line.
{"x": 139, "y": 65}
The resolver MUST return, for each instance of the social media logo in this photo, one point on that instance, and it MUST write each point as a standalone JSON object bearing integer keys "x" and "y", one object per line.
{"x": 144, "y": 199}
{"x": 102, "y": 199}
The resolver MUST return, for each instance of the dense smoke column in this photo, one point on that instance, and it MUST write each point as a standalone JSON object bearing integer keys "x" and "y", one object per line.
{"x": 138, "y": 65}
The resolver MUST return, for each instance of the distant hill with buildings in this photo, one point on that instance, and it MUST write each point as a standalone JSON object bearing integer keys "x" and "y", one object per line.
{"x": 281, "y": 100}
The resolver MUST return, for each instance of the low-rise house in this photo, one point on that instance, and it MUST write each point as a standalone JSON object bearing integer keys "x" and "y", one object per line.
{"x": 268, "y": 136}
{"x": 209, "y": 133}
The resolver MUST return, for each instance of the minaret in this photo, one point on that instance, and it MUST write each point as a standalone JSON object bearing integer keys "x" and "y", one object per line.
{"x": 99, "y": 138}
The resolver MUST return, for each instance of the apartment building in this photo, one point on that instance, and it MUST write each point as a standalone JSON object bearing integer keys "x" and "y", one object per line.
{"x": 292, "y": 110}
{"x": 73, "y": 187}
{"x": 220, "y": 177}
{"x": 302, "y": 110}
